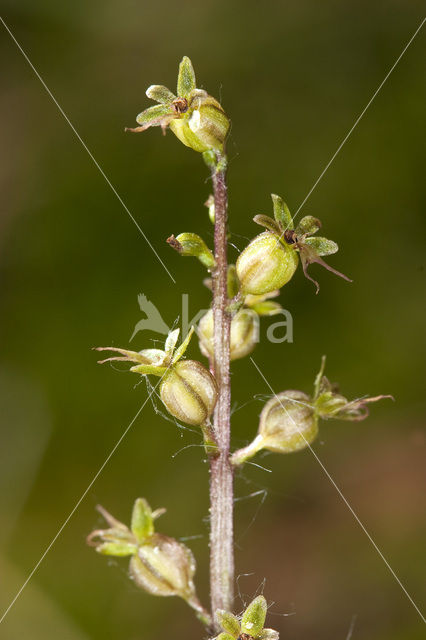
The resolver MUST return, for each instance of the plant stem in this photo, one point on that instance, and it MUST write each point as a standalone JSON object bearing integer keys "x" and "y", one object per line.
{"x": 221, "y": 472}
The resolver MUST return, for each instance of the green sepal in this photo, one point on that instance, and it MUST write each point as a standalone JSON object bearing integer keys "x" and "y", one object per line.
{"x": 254, "y": 616}
{"x": 322, "y": 246}
{"x": 149, "y": 369}
{"x": 183, "y": 347}
{"x": 159, "y": 93}
{"x": 268, "y": 223}
{"x": 229, "y": 623}
{"x": 142, "y": 523}
{"x": 158, "y": 115}
{"x": 308, "y": 226}
{"x": 117, "y": 549}
{"x": 282, "y": 213}
{"x": 191, "y": 244}
{"x": 266, "y": 308}
{"x": 233, "y": 284}
{"x": 224, "y": 636}
{"x": 186, "y": 78}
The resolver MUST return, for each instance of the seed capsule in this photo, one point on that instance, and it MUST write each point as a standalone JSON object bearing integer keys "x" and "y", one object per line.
{"x": 204, "y": 125}
{"x": 164, "y": 567}
{"x": 266, "y": 264}
{"x": 288, "y": 422}
{"x": 244, "y": 333}
{"x": 189, "y": 392}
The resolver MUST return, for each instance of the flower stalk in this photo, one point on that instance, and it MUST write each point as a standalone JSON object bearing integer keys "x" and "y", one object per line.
{"x": 221, "y": 473}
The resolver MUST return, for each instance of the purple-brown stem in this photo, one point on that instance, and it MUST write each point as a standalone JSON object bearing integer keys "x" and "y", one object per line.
{"x": 221, "y": 473}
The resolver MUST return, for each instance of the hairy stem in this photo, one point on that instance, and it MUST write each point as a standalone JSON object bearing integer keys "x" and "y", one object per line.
{"x": 221, "y": 473}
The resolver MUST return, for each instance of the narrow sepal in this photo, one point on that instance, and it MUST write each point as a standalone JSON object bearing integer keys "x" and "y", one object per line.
{"x": 183, "y": 347}
{"x": 125, "y": 355}
{"x": 142, "y": 523}
{"x": 117, "y": 549}
{"x": 282, "y": 213}
{"x": 149, "y": 369}
{"x": 186, "y": 78}
{"x": 268, "y": 223}
{"x": 159, "y": 93}
{"x": 229, "y": 623}
{"x": 319, "y": 377}
{"x": 254, "y": 617}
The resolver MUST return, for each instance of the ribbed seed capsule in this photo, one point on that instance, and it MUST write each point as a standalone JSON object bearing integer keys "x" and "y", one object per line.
{"x": 189, "y": 392}
{"x": 266, "y": 264}
{"x": 164, "y": 567}
{"x": 244, "y": 333}
{"x": 204, "y": 125}
{"x": 288, "y": 422}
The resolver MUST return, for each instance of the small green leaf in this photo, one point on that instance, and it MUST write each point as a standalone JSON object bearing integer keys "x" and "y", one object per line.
{"x": 282, "y": 213}
{"x": 254, "y": 616}
{"x": 186, "y": 78}
{"x": 308, "y": 225}
{"x": 228, "y": 622}
{"x": 160, "y": 94}
{"x": 142, "y": 524}
{"x": 117, "y": 549}
{"x": 322, "y": 246}
{"x": 155, "y": 116}
{"x": 224, "y": 636}
{"x": 268, "y": 223}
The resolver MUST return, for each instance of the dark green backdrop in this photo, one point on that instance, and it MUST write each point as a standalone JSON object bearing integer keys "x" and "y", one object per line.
{"x": 293, "y": 76}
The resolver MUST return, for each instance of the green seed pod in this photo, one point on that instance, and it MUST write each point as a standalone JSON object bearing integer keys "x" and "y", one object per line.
{"x": 203, "y": 125}
{"x": 164, "y": 567}
{"x": 189, "y": 392}
{"x": 244, "y": 333}
{"x": 266, "y": 264}
{"x": 288, "y": 422}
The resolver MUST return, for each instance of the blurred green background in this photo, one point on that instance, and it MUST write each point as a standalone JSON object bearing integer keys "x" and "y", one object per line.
{"x": 293, "y": 77}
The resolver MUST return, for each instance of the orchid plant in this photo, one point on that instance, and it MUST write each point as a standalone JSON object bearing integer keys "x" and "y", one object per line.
{"x": 200, "y": 395}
